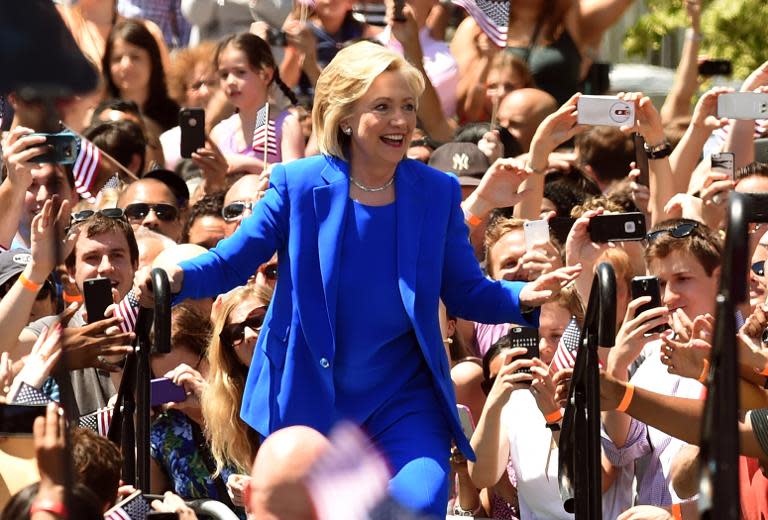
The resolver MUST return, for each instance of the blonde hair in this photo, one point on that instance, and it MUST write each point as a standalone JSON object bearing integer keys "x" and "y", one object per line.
{"x": 231, "y": 440}
{"x": 345, "y": 80}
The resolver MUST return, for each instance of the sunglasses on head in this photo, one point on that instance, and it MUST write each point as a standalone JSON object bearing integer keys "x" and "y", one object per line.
{"x": 234, "y": 333}
{"x": 80, "y": 216}
{"x": 681, "y": 230}
{"x": 235, "y": 210}
{"x": 140, "y": 210}
{"x": 759, "y": 268}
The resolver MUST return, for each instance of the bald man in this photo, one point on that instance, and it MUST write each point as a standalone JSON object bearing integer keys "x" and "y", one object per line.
{"x": 151, "y": 243}
{"x": 276, "y": 490}
{"x": 151, "y": 204}
{"x": 522, "y": 111}
{"x": 240, "y": 199}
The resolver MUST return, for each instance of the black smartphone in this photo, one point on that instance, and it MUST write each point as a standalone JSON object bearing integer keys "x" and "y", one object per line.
{"x": 398, "y": 15}
{"x": 527, "y": 338}
{"x": 62, "y": 148}
{"x": 559, "y": 227}
{"x": 648, "y": 286}
{"x": 160, "y": 515}
{"x": 715, "y": 68}
{"x": 276, "y": 37}
{"x": 192, "y": 124}
{"x": 617, "y": 227}
{"x": 17, "y": 420}
{"x": 641, "y": 159}
{"x": 97, "y": 293}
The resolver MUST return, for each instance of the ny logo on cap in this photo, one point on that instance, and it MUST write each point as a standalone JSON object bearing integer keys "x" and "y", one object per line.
{"x": 460, "y": 162}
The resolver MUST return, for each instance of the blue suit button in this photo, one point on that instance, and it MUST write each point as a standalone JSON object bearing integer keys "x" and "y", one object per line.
{"x": 324, "y": 363}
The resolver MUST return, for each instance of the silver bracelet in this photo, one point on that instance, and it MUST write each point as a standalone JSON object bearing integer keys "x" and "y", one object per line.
{"x": 692, "y": 35}
{"x": 459, "y": 511}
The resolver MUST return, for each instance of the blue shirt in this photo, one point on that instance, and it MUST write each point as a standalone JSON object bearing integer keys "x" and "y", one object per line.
{"x": 370, "y": 370}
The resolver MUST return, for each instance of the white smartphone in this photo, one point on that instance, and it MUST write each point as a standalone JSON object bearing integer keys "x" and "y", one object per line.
{"x": 723, "y": 163}
{"x": 743, "y": 105}
{"x": 605, "y": 111}
{"x": 467, "y": 424}
{"x": 536, "y": 232}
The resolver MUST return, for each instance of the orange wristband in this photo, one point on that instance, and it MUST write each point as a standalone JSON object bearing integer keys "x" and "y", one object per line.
{"x": 627, "y": 399}
{"x": 765, "y": 371}
{"x": 472, "y": 220}
{"x": 72, "y": 298}
{"x": 677, "y": 512}
{"x": 29, "y": 284}
{"x": 553, "y": 417}
{"x": 704, "y": 372}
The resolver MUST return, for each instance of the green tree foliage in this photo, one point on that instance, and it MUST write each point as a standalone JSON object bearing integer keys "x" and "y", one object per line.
{"x": 735, "y": 30}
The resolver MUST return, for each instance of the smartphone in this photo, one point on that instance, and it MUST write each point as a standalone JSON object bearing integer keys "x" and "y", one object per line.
{"x": 715, "y": 68}
{"x": 527, "y": 338}
{"x": 641, "y": 160}
{"x": 465, "y": 417}
{"x": 723, "y": 163}
{"x": 559, "y": 227}
{"x": 743, "y": 105}
{"x": 276, "y": 37}
{"x": 648, "y": 286}
{"x": 162, "y": 390}
{"x": 63, "y": 148}
{"x": 605, "y": 111}
{"x": 398, "y": 15}
{"x": 16, "y": 420}
{"x": 97, "y": 293}
{"x": 192, "y": 124}
{"x": 135, "y": 503}
{"x": 159, "y": 515}
{"x": 617, "y": 227}
{"x": 536, "y": 232}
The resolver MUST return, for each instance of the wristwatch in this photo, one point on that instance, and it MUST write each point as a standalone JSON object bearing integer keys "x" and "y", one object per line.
{"x": 658, "y": 151}
{"x": 555, "y": 426}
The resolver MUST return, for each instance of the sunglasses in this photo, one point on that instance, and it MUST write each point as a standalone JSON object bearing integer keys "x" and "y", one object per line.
{"x": 80, "y": 216}
{"x": 759, "y": 268}
{"x": 234, "y": 333}
{"x": 682, "y": 230}
{"x": 140, "y": 210}
{"x": 236, "y": 209}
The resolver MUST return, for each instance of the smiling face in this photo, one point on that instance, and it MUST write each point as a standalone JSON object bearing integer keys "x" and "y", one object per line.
{"x": 504, "y": 255}
{"x": 685, "y": 284}
{"x": 244, "y": 349}
{"x": 382, "y": 121}
{"x": 47, "y": 180}
{"x": 245, "y": 87}
{"x": 129, "y": 66}
{"x": 104, "y": 255}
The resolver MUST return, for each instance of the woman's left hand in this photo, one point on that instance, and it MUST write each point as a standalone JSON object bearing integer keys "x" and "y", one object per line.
{"x": 547, "y": 286}
{"x": 542, "y": 387}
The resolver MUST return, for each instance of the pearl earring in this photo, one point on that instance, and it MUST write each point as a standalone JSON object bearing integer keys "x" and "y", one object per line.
{"x": 347, "y": 130}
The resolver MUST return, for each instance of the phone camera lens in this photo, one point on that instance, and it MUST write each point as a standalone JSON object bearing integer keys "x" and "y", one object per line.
{"x": 192, "y": 122}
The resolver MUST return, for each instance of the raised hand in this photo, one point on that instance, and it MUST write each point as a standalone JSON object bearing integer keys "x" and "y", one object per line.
{"x": 631, "y": 337}
{"x": 40, "y": 362}
{"x": 548, "y": 286}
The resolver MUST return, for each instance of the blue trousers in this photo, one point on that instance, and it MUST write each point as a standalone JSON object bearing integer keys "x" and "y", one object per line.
{"x": 413, "y": 433}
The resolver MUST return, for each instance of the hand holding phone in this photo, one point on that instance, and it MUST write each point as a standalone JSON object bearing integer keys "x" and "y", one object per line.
{"x": 527, "y": 338}
{"x": 536, "y": 233}
{"x": 63, "y": 147}
{"x": 605, "y": 111}
{"x": 743, "y": 105}
{"x": 163, "y": 390}
{"x": 617, "y": 227}
{"x": 192, "y": 125}
{"x": 648, "y": 286}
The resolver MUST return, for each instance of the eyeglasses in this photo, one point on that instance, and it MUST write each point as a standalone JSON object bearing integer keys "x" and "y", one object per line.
{"x": 759, "y": 268}
{"x": 80, "y": 216}
{"x": 235, "y": 210}
{"x": 682, "y": 230}
{"x": 269, "y": 271}
{"x": 234, "y": 333}
{"x": 140, "y": 210}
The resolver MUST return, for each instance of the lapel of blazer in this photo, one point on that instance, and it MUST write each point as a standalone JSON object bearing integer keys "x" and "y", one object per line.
{"x": 411, "y": 206}
{"x": 330, "y": 210}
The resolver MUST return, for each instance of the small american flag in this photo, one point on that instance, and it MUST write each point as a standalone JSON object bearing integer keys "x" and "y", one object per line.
{"x": 134, "y": 507}
{"x": 86, "y": 167}
{"x": 128, "y": 309}
{"x": 491, "y": 15}
{"x": 264, "y": 130}
{"x": 97, "y": 421}
{"x": 29, "y": 395}
{"x": 567, "y": 348}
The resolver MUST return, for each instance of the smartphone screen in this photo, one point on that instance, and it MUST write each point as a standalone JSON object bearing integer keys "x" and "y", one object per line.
{"x": 192, "y": 125}
{"x": 648, "y": 286}
{"x": 17, "y": 420}
{"x": 465, "y": 417}
{"x": 97, "y": 293}
{"x": 723, "y": 162}
{"x": 617, "y": 227}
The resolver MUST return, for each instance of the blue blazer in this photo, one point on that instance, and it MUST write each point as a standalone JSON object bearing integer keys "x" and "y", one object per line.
{"x": 302, "y": 217}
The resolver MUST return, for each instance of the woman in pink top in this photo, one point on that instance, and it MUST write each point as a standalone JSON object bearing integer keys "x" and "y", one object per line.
{"x": 246, "y": 71}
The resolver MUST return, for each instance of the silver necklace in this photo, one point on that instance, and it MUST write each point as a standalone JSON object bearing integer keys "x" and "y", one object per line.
{"x": 368, "y": 189}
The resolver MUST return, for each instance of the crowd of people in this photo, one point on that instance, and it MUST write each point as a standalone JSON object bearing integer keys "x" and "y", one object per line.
{"x": 364, "y": 323}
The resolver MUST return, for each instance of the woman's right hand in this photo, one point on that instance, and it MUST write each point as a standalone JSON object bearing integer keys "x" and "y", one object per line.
{"x": 631, "y": 338}
{"x": 19, "y": 147}
{"x": 509, "y": 379}
{"x": 142, "y": 283}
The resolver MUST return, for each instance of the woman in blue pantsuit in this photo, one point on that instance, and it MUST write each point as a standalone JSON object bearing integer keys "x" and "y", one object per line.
{"x": 368, "y": 243}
